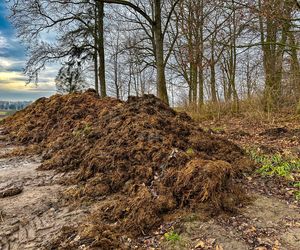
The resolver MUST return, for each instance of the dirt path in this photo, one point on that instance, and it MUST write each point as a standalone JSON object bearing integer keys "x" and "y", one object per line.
{"x": 267, "y": 223}
{"x": 32, "y": 218}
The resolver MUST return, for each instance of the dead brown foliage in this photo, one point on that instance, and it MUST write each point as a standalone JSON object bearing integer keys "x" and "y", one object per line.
{"x": 141, "y": 156}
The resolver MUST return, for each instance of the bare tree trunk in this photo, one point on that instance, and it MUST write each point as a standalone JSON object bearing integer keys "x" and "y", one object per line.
{"x": 213, "y": 89}
{"x": 96, "y": 53}
{"x": 158, "y": 46}
{"x": 201, "y": 84}
{"x": 160, "y": 65}
{"x": 272, "y": 51}
{"x": 295, "y": 66}
{"x": 116, "y": 76}
{"x": 248, "y": 79}
{"x": 233, "y": 56}
{"x": 100, "y": 7}
{"x": 129, "y": 82}
{"x": 269, "y": 47}
{"x": 200, "y": 70}
{"x": 193, "y": 82}
{"x": 96, "y": 71}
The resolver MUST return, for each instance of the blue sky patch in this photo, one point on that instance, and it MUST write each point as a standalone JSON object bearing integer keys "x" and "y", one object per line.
{"x": 12, "y": 62}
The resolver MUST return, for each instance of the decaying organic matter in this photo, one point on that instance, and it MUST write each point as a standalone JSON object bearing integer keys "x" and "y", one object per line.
{"x": 141, "y": 157}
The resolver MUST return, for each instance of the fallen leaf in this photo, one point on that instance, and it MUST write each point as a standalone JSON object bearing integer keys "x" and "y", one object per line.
{"x": 250, "y": 230}
{"x": 210, "y": 242}
{"x": 219, "y": 247}
{"x": 276, "y": 245}
{"x": 200, "y": 244}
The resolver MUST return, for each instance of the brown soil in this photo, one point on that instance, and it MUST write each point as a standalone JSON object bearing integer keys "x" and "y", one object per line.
{"x": 141, "y": 157}
{"x": 10, "y": 190}
{"x": 266, "y": 224}
{"x": 32, "y": 218}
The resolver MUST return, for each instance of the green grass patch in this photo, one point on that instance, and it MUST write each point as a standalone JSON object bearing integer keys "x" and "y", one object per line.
{"x": 190, "y": 152}
{"x": 4, "y": 113}
{"x": 297, "y": 195}
{"x": 297, "y": 184}
{"x": 172, "y": 237}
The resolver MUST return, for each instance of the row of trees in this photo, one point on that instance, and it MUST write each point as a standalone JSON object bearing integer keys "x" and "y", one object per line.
{"x": 204, "y": 50}
{"x": 13, "y": 105}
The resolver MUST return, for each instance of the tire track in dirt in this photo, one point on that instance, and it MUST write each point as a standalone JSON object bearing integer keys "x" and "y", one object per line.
{"x": 31, "y": 219}
{"x": 37, "y": 232}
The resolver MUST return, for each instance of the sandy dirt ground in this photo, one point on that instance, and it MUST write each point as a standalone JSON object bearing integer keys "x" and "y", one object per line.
{"x": 267, "y": 223}
{"x": 32, "y": 218}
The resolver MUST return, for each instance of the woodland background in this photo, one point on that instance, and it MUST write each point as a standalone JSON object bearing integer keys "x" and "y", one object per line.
{"x": 188, "y": 52}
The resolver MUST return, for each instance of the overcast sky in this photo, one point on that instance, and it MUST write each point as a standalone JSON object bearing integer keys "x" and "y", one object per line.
{"x": 12, "y": 61}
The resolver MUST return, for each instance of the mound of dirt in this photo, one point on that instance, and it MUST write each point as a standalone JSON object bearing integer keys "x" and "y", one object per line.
{"x": 141, "y": 157}
{"x": 48, "y": 118}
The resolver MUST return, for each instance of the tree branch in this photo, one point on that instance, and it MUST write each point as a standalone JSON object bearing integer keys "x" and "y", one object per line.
{"x": 169, "y": 16}
{"x": 131, "y": 5}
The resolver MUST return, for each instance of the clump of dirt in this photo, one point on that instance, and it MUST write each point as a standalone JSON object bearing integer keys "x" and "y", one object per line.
{"x": 10, "y": 189}
{"x": 272, "y": 132}
{"x": 143, "y": 158}
{"x": 292, "y": 134}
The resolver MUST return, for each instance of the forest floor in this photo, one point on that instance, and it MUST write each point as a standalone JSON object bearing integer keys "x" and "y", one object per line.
{"x": 32, "y": 213}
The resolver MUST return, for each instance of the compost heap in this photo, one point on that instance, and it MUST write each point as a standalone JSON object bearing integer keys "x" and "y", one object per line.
{"x": 142, "y": 157}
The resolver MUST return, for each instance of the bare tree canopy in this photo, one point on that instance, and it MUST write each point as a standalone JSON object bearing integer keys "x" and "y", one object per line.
{"x": 192, "y": 48}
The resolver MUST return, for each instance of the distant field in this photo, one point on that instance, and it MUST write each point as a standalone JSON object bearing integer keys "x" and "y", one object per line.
{"x": 4, "y": 113}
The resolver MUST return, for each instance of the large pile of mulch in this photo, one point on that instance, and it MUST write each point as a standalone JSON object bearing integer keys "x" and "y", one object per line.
{"x": 143, "y": 159}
